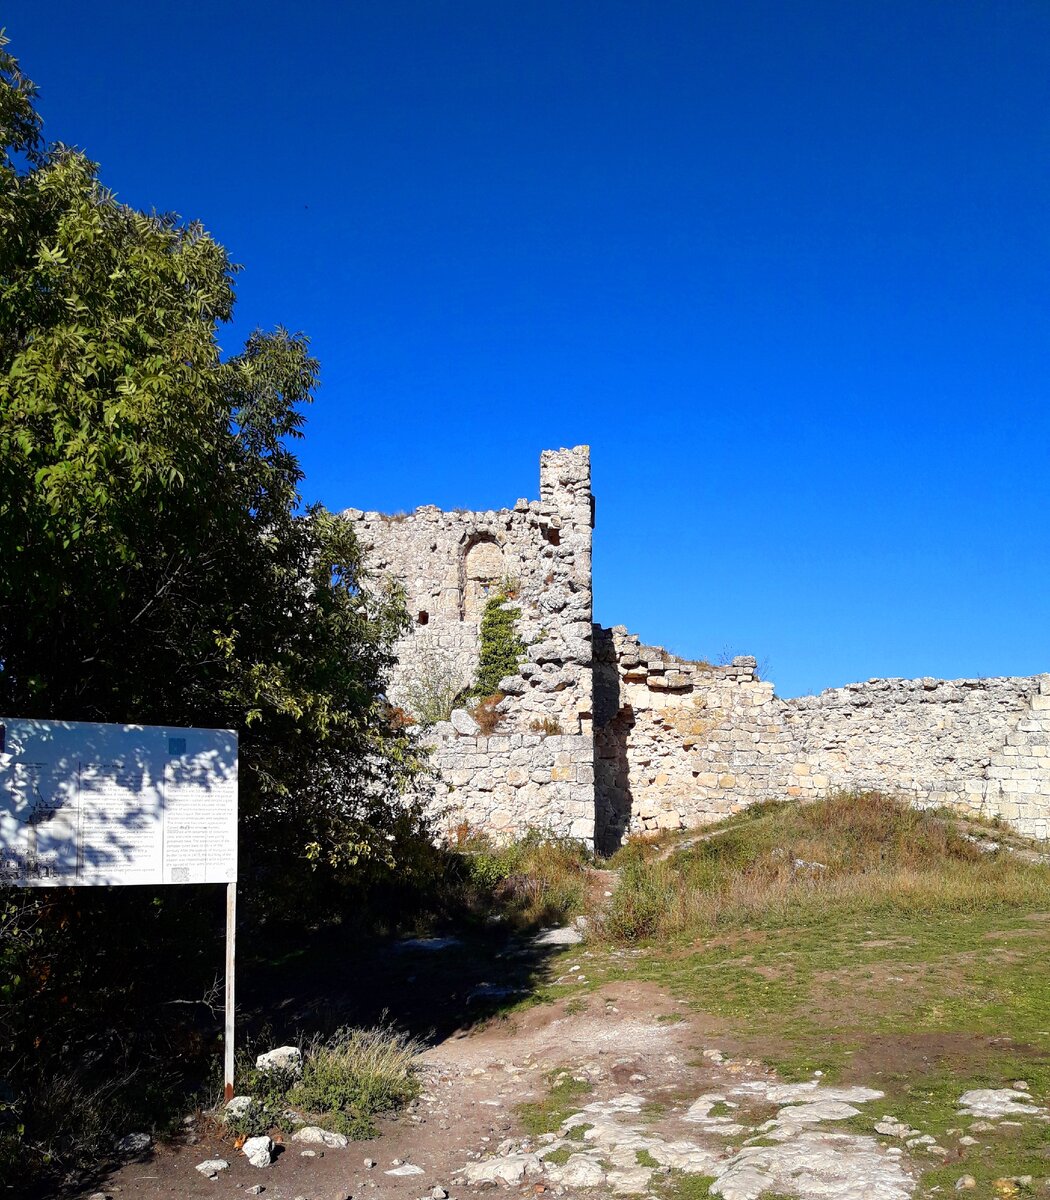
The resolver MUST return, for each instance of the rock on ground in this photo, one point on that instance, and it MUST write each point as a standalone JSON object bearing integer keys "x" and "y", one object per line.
{"x": 212, "y": 1166}
{"x": 283, "y": 1058}
{"x": 315, "y": 1135}
{"x": 258, "y": 1151}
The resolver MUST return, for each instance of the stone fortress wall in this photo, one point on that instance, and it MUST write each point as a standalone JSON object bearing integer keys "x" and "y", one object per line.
{"x": 681, "y": 744}
{"x": 536, "y": 770}
{"x": 602, "y": 736}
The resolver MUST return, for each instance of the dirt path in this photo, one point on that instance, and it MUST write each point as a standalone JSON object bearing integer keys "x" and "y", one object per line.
{"x": 658, "y": 1091}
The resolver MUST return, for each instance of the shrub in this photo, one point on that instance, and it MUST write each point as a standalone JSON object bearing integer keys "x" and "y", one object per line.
{"x": 269, "y": 1108}
{"x": 548, "y": 725}
{"x": 536, "y": 881}
{"x": 357, "y": 1075}
{"x": 432, "y": 692}
{"x": 501, "y": 648}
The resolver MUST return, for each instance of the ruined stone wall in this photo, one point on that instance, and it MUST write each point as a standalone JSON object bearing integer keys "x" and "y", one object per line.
{"x": 600, "y": 736}
{"x": 682, "y": 744}
{"x": 536, "y": 769}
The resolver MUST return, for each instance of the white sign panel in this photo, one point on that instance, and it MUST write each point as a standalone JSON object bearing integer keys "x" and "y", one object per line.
{"x": 84, "y": 804}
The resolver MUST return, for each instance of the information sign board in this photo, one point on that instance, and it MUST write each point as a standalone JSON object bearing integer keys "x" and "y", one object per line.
{"x": 95, "y": 805}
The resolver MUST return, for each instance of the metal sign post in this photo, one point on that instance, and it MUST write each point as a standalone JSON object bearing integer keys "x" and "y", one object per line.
{"x": 91, "y": 805}
{"x": 231, "y": 957}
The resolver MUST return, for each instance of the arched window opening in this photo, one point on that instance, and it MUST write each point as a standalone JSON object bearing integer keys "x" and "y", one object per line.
{"x": 482, "y": 570}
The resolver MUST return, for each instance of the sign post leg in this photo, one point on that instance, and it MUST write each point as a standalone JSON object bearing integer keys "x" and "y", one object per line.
{"x": 231, "y": 944}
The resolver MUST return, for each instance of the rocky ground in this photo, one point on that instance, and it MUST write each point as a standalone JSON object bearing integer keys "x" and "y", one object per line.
{"x": 638, "y": 1095}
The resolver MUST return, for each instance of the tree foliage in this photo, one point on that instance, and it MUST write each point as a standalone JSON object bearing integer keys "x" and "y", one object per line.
{"x": 159, "y": 568}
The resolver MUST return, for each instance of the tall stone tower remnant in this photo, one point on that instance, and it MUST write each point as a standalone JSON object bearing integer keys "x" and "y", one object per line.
{"x": 535, "y": 768}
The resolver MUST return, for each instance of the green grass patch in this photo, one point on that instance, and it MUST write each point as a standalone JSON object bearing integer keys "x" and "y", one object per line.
{"x": 677, "y": 1185}
{"x": 357, "y": 1075}
{"x": 559, "y": 1157}
{"x": 561, "y": 1101}
{"x": 347, "y": 1081}
{"x": 791, "y": 863}
{"x": 909, "y": 961}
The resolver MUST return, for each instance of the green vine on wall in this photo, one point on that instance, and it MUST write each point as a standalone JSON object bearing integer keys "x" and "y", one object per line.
{"x": 501, "y": 648}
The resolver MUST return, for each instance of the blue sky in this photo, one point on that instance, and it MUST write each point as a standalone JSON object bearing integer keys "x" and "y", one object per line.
{"x": 783, "y": 265}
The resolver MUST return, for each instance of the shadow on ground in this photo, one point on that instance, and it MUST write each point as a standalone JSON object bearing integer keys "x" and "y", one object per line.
{"x": 429, "y": 987}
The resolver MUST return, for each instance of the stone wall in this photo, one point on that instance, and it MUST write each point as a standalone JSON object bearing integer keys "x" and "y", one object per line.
{"x": 537, "y": 767}
{"x": 600, "y": 736}
{"x": 682, "y": 744}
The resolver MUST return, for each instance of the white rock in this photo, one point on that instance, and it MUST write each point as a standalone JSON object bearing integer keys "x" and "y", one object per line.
{"x": 802, "y": 1093}
{"x": 795, "y": 1116}
{"x": 558, "y": 937}
{"x": 891, "y": 1127}
{"x": 463, "y": 723}
{"x": 997, "y": 1102}
{"x": 212, "y": 1166}
{"x": 314, "y": 1135}
{"x": 405, "y": 1169}
{"x": 284, "y": 1058}
{"x": 684, "y": 1156}
{"x": 134, "y": 1143}
{"x": 699, "y": 1113}
{"x": 258, "y": 1151}
{"x": 629, "y": 1182}
{"x": 237, "y": 1107}
{"x": 815, "y": 1164}
{"x": 511, "y": 1168}
{"x": 581, "y": 1171}
{"x": 964, "y": 1183}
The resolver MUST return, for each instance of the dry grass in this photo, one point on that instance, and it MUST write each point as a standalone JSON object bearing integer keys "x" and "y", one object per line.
{"x": 356, "y": 1075}
{"x": 487, "y": 713}
{"x": 531, "y": 883}
{"x": 790, "y": 863}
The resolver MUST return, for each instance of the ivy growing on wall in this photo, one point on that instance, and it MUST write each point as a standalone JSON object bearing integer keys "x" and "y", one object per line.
{"x": 501, "y": 648}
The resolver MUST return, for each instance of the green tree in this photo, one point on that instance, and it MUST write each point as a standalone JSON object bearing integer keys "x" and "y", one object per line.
{"x": 157, "y": 566}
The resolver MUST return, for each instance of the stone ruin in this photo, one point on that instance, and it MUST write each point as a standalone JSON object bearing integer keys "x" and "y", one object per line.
{"x": 599, "y": 736}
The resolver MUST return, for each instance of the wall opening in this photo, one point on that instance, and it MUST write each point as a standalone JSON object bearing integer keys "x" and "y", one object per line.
{"x": 482, "y": 571}
{"x": 423, "y": 618}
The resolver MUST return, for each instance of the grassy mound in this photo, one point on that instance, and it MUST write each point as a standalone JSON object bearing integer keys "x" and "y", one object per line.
{"x": 790, "y": 863}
